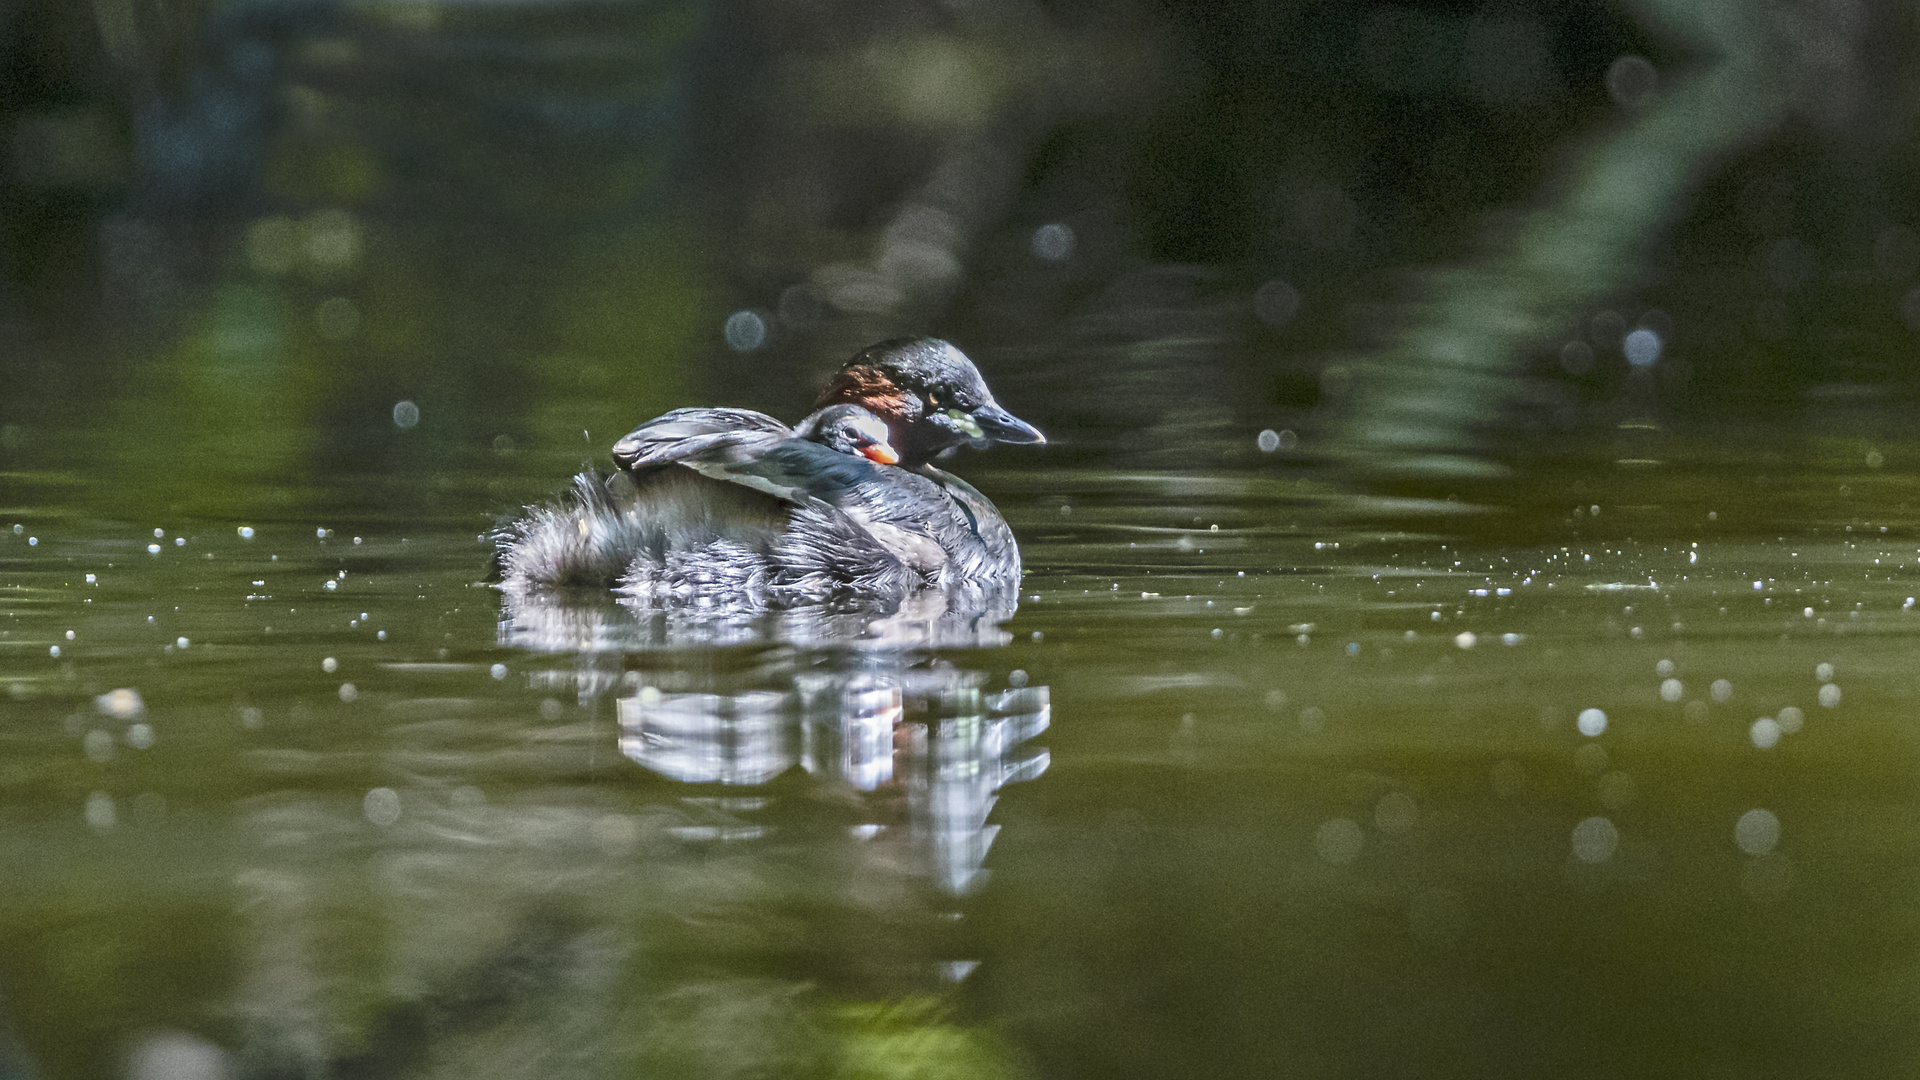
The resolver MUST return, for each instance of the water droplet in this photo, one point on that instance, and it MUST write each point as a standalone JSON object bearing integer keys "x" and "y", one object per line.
{"x": 1339, "y": 841}
{"x": 1757, "y": 832}
{"x": 1053, "y": 241}
{"x": 381, "y": 806}
{"x": 1594, "y": 840}
{"x": 744, "y": 331}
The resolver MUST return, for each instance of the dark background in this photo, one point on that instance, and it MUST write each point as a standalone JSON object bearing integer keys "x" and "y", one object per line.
{"x": 233, "y": 235}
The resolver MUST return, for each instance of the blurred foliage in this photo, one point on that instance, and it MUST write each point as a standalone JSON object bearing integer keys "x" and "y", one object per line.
{"x": 1406, "y": 229}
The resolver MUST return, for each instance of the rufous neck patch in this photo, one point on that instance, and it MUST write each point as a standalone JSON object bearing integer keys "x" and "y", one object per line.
{"x": 871, "y": 389}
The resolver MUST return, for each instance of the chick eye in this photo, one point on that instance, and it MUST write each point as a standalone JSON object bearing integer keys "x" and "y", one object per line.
{"x": 933, "y": 400}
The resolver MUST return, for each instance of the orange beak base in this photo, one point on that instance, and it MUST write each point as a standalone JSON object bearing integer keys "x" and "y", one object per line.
{"x": 880, "y": 453}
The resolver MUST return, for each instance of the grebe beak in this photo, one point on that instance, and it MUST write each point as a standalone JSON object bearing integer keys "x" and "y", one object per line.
{"x": 999, "y": 425}
{"x": 880, "y": 453}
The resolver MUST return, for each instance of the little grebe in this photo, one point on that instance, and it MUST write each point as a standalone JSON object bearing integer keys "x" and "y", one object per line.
{"x": 731, "y": 508}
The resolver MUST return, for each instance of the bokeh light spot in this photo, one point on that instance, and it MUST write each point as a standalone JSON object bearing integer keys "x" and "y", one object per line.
{"x": 1642, "y": 348}
{"x": 1631, "y": 80}
{"x": 1757, "y": 832}
{"x": 1053, "y": 241}
{"x": 381, "y": 806}
{"x": 1339, "y": 841}
{"x": 745, "y": 331}
{"x": 1594, "y": 840}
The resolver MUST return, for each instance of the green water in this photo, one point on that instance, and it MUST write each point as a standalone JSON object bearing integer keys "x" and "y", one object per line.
{"x": 1319, "y": 793}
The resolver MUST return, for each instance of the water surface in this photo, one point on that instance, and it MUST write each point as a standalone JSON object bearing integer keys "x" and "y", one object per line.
{"x": 1262, "y": 778}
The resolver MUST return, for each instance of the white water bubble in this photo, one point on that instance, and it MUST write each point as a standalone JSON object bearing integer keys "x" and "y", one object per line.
{"x": 140, "y": 736}
{"x": 1830, "y": 695}
{"x": 181, "y": 643}
{"x": 1663, "y": 669}
{"x": 1053, "y": 241}
{"x": 381, "y": 806}
{"x": 498, "y": 671}
{"x": 153, "y": 549}
{"x": 1757, "y": 832}
{"x": 1592, "y": 722}
{"x": 1269, "y": 441}
{"x": 1595, "y": 839}
{"x": 176, "y": 1055}
{"x": 246, "y": 532}
{"x": 405, "y": 415}
{"x": 1672, "y": 690}
{"x": 1823, "y": 672}
{"x": 1339, "y": 841}
{"x": 349, "y": 692}
{"x": 1790, "y": 719}
{"x": 1465, "y": 639}
{"x": 744, "y": 331}
{"x": 1642, "y": 348}
{"x": 100, "y": 811}
{"x": 1721, "y": 690}
{"x": 330, "y": 665}
{"x": 121, "y": 704}
{"x": 53, "y": 651}
{"x": 1764, "y": 733}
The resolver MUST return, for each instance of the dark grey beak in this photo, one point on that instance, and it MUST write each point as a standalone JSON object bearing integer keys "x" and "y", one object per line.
{"x": 999, "y": 425}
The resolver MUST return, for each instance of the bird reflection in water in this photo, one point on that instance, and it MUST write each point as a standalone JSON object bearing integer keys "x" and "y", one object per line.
{"x": 925, "y": 744}
{"x": 854, "y": 700}
{"x": 586, "y": 621}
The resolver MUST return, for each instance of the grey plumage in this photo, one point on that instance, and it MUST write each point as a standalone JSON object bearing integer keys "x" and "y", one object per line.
{"x": 729, "y": 509}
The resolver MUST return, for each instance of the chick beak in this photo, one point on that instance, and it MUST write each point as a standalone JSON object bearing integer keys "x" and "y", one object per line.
{"x": 880, "y": 453}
